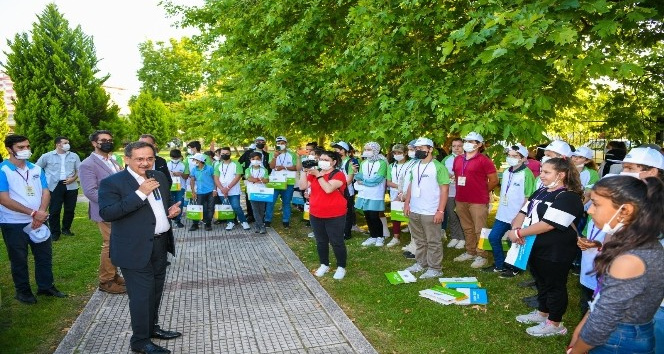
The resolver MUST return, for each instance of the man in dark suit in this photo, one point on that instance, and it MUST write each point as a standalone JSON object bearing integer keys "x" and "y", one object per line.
{"x": 136, "y": 201}
{"x": 160, "y": 163}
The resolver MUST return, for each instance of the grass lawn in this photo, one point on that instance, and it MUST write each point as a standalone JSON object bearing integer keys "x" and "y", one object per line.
{"x": 39, "y": 328}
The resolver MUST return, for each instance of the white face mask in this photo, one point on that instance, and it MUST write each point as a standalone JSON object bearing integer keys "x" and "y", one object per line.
{"x": 23, "y": 154}
{"x": 66, "y": 147}
{"x": 545, "y": 159}
{"x": 399, "y": 157}
{"x": 633, "y": 174}
{"x": 324, "y": 165}
{"x": 255, "y": 162}
{"x": 411, "y": 154}
{"x": 217, "y": 158}
{"x": 512, "y": 161}
{"x": 607, "y": 229}
{"x": 552, "y": 184}
{"x": 469, "y": 147}
{"x": 175, "y": 160}
{"x": 190, "y": 151}
{"x": 580, "y": 166}
{"x": 367, "y": 153}
{"x": 312, "y": 157}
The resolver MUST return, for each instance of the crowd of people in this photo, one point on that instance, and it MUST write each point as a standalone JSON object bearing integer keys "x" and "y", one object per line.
{"x": 606, "y": 218}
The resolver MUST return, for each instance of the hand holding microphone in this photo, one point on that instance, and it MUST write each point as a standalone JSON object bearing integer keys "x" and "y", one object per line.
{"x": 150, "y": 185}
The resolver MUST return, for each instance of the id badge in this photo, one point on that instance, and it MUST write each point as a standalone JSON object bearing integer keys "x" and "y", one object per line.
{"x": 415, "y": 191}
{"x": 29, "y": 191}
{"x": 503, "y": 200}
{"x": 461, "y": 181}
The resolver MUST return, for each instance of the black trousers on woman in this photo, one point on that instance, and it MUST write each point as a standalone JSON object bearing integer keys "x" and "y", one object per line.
{"x": 551, "y": 282}
{"x": 330, "y": 231}
{"x": 374, "y": 223}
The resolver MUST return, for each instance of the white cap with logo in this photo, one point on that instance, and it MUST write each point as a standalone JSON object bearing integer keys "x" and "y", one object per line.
{"x": 423, "y": 142}
{"x": 200, "y": 157}
{"x": 559, "y": 147}
{"x": 520, "y": 149}
{"x": 341, "y": 145}
{"x": 474, "y": 136}
{"x": 281, "y": 138}
{"x": 644, "y": 156}
{"x": 583, "y": 151}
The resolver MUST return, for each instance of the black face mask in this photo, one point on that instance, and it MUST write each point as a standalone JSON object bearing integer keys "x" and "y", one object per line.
{"x": 260, "y": 146}
{"x": 225, "y": 157}
{"x": 106, "y": 147}
{"x": 420, "y": 154}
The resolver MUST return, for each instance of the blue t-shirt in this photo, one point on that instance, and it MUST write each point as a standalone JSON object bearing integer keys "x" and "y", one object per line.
{"x": 24, "y": 186}
{"x": 204, "y": 179}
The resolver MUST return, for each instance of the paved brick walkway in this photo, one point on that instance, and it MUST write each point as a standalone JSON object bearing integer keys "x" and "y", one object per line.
{"x": 228, "y": 292}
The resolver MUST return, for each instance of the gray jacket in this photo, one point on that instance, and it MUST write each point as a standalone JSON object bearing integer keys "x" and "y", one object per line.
{"x": 51, "y": 163}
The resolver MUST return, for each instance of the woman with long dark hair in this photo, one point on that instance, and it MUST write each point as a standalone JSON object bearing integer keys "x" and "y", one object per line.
{"x": 629, "y": 267}
{"x": 550, "y": 214}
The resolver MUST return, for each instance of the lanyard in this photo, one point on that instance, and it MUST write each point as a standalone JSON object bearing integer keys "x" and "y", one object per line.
{"x": 419, "y": 176}
{"x": 222, "y": 169}
{"x": 280, "y": 161}
{"x": 532, "y": 204}
{"x": 27, "y": 175}
{"x": 256, "y": 175}
{"x": 371, "y": 167}
{"x": 509, "y": 181}
{"x": 173, "y": 166}
{"x": 396, "y": 167}
{"x": 599, "y": 286}
{"x": 593, "y": 235}
{"x": 464, "y": 164}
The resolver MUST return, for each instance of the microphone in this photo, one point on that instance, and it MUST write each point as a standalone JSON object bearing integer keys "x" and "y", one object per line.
{"x": 155, "y": 192}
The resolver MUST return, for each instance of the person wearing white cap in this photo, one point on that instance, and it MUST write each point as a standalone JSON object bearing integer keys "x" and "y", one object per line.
{"x": 370, "y": 185}
{"x": 556, "y": 148}
{"x": 583, "y": 160}
{"x": 346, "y": 166}
{"x": 203, "y": 189}
{"x": 245, "y": 160}
{"x": 397, "y": 174}
{"x": 425, "y": 207}
{"x": 282, "y": 162}
{"x": 518, "y": 183}
{"x": 476, "y": 177}
{"x": 643, "y": 162}
{"x": 457, "y": 239}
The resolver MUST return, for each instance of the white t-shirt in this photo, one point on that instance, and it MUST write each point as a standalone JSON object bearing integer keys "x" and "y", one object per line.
{"x": 425, "y": 182}
{"x": 25, "y": 186}
{"x": 177, "y": 167}
{"x": 226, "y": 172}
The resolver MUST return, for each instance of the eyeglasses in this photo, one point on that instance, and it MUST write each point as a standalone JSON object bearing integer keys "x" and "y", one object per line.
{"x": 105, "y": 141}
{"x": 144, "y": 159}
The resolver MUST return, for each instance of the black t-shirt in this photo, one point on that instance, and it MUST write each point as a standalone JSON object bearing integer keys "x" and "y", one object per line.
{"x": 559, "y": 209}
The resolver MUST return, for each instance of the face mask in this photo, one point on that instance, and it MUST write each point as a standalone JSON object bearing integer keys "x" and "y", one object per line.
{"x": 225, "y": 157}
{"x": 411, "y": 154}
{"x": 420, "y": 154}
{"x": 399, "y": 157}
{"x": 552, "y": 184}
{"x": 468, "y": 147}
{"x": 367, "y": 153}
{"x": 66, "y": 147}
{"x": 324, "y": 165}
{"x": 23, "y": 154}
{"x": 512, "y": 161}
{"x": 190, "y": 151}
{"x": 255, "y": 162}
{"x": 545, "y": 159}
{"x": 612, "y": 230}
{"x": 633, "y": 174}
{"x": 312, "y": 157}
{"x": 106, "y": 147}
{"x": 216, "y": 158}
{"x": 281, "y": 147}
{"x": 260, "y": 146}
{"x": 580, "y": 166}
{"x": 175, "y": 160}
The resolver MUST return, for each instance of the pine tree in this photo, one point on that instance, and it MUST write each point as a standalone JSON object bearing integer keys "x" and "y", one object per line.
{"x": 53, "y": 69}
{"x": 150, "y": 115}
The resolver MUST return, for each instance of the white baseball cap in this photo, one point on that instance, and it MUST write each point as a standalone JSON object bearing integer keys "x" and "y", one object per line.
{"x": 281, "y": 138}
{"x": 200, "y": 157}
{"x": 424, "y": 142}
{"x": 583, "y": 151}
{"x": 39, "y": 234}
{"x": 644, "y": 156}
{"x": 341, "y": 145}
{"x": 474, "y": 136}
{"x": 520, "y": 149}
{"x": 260, "y": 138}
{"x": 559, "y": 147}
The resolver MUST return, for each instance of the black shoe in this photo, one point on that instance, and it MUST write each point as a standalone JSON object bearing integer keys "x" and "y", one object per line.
{"x": 509, "y": 273}
{"x": 527, "y": 283}
{"x": 53, "y": 291}
{"x": 492, "y": 269}
{"x": 348, "y": 237}
{"x": 151, "y": 348}
{"x": 286, "y": 225}
{"x": 193, "y": 227}
{"x": 218, "y": 222}
{"x": 179, "y": 225}
{"x": 67, "y": 233}
{"x": 408, "y": 255}
{"x": 267, "y": 223}
{"x": 55, "y": 237}
{"x": 250, "y": 218}
{"x": 26, "y": 297}
{"x": 262, "y": 230}
{"x": 208, "y": 227}
{"x": 164, "y": 334}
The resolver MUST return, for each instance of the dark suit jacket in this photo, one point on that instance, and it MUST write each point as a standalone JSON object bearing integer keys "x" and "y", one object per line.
{"x": 132, "y": 220}
{"x": 161, "y": 166}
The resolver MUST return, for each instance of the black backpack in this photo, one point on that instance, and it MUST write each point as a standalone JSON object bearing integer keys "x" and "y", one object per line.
{"x": 345, "y": 193}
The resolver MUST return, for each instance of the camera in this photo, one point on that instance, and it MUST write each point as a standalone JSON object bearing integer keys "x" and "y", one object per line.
{"x": 307, "y": 164}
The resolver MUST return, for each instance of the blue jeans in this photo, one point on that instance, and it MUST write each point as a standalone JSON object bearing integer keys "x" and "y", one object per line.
{"x": 495, "y": 239}
{"x": 286, "y": 197}
{"x": 17, "y": 242}
{"x": 629, "y": 338}
{"x": 659, "y": 331}
{"x": 178, "y": 197}
{"x": 234, "y": 201}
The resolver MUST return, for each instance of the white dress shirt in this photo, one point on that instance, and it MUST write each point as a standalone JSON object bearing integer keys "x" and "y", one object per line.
{"x": 109, "y": 162}
{"x": 162, "y": 225}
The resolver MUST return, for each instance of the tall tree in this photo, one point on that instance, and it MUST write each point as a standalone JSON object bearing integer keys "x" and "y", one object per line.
{"x": 150, "y": 116}
{"x": 53, "y": 69}
{"x": 4, "y": 126}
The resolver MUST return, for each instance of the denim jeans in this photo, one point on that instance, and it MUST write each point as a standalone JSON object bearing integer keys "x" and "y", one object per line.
{"x": 286, "y": 197}
{"x": 659, "y": 331}
{"x": 17, "y": 242}
{"x": 495, "y": 239}
{"x": 629, "y": 338}
{"x": 178, "y": 197}
{"x": 234, "y": 201}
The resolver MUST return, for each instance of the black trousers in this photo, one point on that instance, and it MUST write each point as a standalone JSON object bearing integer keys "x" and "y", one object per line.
{"x": 351, "y": 218}
{"x": 551, "y": 282}
{"x": 374, "y": 223}
{"x": 330, "y": 231}
{"x": 144, "y": 288}
{"x": 60, "y": 196}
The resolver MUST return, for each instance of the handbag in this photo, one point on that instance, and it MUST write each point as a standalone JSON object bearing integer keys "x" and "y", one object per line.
{"x": 224, "y": 212}
{"x": 194, "y": 212}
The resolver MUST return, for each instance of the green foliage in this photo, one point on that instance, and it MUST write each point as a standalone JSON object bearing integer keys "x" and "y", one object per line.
{"x": 4, "y": 126}
{"x": 53, "y": 70}
{"x": 150, "y": 116}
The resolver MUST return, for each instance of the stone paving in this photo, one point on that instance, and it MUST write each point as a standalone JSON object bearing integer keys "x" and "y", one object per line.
{"x": 228, "y": 292}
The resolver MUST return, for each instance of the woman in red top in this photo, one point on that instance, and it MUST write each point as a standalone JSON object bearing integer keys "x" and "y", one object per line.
{"x": 327, "y": 211}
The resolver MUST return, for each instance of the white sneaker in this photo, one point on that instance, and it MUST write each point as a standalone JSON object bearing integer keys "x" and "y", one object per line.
{"x": 479, "y": 262}
{"x": 431, "y": 273}
{"x": 464, "y": 257}
{"x": 533, "y": 317}
{"x": 311, "y": 235}
{"x": 444, "y": 238}
{"x": 393, "y": 242}
{"x": 410, "y": 248}
{"x": 370, "y": 241}
{"x": 322, "y": 270}
{"x": 453, "y": 242}
{"x": 380, "y": 242}
{"x": 339, "y": 274}
{"x": 415, "y": 268}
{"x": 245, "y": 225}
{"x": 230, "y": 226}
{"x": 546, "y": 329}
{"x": 460, "y": 245}
{"x": 356, "y": 228}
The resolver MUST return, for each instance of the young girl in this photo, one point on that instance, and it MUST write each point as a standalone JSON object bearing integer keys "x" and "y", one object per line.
{"x": 629, "y": 267}
{"x": 396, "y": 180}
{"x": 583, "y": 160}
{"x": 370, "y": 185}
